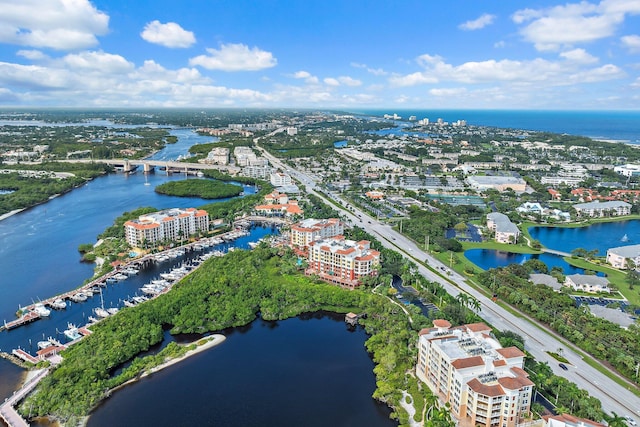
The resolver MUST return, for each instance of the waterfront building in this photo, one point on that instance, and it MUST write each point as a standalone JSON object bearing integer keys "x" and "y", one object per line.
{"x": 374, "y": 195}
{"x": 278, "y": 204}
{"x": 169, "y": 224}
{"x": 587, "y": 283}
{"x": 485, "y": 384}
{"x": 601, "y": 209}
{"x": 218, "y": 155}
{"x": 341, "y": 261}
{"x": 279, "y": 179}
{"x": 618, "y": 256}
{"x": 305, "y": 232}
{"x": 505, "y": 230}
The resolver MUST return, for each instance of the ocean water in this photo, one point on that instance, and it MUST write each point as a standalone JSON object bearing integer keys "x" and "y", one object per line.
{"x": 620, "y": 126}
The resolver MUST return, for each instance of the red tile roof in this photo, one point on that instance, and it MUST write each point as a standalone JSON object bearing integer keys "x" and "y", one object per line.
{"x": 467, "y": 362}
{"x": 510, "y": 352}
{"x": 494, "y": 390}
{"x": 441, "y": 323}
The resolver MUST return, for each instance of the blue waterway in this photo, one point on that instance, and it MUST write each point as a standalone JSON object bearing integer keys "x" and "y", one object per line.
{"x": 623, "y": 126}
{"x": 600, "y": 236}
{"x": 490, "y": 258}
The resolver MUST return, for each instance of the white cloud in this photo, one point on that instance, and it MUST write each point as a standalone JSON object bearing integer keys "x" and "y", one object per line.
{"x": 169, "y": 35}
{"x": 330, "y": 81}
{"x": 306, "y": 76}
{"x": 349, "y": 81}
{"x": 573, "y": 67}
{"x": 105, "y": 63}
{"x": 631, "y": 42}
{"x": 56, "y": 24}
{"x": 580, "y": 56}
{"x": 479, "y": 23}
{"x": 374, "y": 71}
{"x": 33, "y": 55}
{"x": 499, "y": 44}
{"x": 457, "y": 91}
{"x": 573, "y": 23}
{"x": 235, "y": 57}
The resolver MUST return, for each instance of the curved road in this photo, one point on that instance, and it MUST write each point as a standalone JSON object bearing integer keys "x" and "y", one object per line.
{"x": 614, "y": 397}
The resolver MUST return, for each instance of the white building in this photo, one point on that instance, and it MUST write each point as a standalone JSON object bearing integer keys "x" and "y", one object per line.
{"x": 627, "y": 170}
{"x": 566, "y": 420}
{"x": 291, "y": 131}
{"x": 499, "y": 183}
{"x": 600, "y": 209}
{"x": 485, "y": 384}
{"x": 170, "y": 224}
{"x": 587, "y": 283}
{"x": 505, "y": 230}
{"x": 218, "y": 155}
{"x": 618, "y": 256}
{"x": 279, "y": 179}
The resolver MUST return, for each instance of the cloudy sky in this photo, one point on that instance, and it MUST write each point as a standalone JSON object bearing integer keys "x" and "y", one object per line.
{"x": 350, "y": 54}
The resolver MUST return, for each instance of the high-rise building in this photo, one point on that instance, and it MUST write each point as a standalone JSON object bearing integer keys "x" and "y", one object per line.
{"x": 341, "y": 261}
{"x": 485, "y": 384}
{"x": 305, "y": 232}
{"x": 170, "y": 224}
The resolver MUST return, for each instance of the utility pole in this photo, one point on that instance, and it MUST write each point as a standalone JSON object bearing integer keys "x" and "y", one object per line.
{"x": 426, "y": 242}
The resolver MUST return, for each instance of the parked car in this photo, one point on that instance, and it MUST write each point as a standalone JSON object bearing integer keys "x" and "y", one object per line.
{"x": 630, "y": 421}
{"x": 563, "y": 366}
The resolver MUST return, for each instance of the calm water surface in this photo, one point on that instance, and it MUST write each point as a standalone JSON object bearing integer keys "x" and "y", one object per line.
{"x": 601, "y": 236}
{"x": 307, "y": 371}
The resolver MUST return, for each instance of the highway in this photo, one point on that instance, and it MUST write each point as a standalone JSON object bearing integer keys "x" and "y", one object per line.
{"x": 614, "y": 397}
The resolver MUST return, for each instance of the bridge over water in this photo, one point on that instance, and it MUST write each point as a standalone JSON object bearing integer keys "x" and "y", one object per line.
{"x": 555, "y": 252}
{"x": 129, "y": 165}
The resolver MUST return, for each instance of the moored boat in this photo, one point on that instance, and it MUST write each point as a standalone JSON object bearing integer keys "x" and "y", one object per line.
{"x": 41, "y": 309}
{"x": 72, "y": 332}
{"x": 59, "y": 304}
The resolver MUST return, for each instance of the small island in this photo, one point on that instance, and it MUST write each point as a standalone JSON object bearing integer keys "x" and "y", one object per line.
{"x": 204, "y": 189}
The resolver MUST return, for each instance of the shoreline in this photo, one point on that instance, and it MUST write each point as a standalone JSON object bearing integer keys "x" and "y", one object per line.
{"x": 12, "y": 213}
{"x": 211, "y": 341}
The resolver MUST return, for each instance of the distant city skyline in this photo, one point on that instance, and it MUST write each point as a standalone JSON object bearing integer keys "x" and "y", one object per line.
{"x": 343, "y": 54}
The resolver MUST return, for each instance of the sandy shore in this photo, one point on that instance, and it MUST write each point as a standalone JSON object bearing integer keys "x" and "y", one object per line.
{"x": 8, "y": 214}
{"x": 210, "y": 341}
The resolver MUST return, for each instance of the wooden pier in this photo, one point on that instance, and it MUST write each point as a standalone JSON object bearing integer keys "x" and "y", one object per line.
{"x": 28, "y": 317}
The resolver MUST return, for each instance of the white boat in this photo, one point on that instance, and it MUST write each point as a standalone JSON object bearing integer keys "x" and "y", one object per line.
{"x": 41, "y": 310}
{"x": 119, "y": 276}
{"x": 101, "y": 312}
{"x": 79, "y": 297}
{"x": 92, "y": 319}
{"x": 625, "y": 238}
{"x": 113, "y": 310}
{"x": 130, "y": 271}
{"x": 72, "y": 332}
{"x": 59, "y": 304}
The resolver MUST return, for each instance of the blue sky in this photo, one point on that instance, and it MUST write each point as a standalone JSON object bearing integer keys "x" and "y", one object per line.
{"x": 348, "y": 54}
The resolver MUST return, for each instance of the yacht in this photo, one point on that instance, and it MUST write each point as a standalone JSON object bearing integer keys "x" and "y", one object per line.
{"x": 79, "y": 297}
{"x": 72, "y": 332}
{"x": 101, "y": 312}
{"x": 44, "y": 344}
{"x": 41, "y": 310}
{"x": 59, "y": 304}
{"x": 112, "y": 310}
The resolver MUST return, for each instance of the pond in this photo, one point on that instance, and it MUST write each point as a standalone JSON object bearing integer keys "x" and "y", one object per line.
{"x": 491, "y": 258}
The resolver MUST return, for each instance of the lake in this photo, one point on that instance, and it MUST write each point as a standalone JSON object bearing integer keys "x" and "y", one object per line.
{"x": 309, "y": 371}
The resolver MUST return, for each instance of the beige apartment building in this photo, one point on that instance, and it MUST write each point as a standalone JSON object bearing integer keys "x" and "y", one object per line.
{"x": 170, "y": 224}
{"x": 340, "y": 261}
{"x": 305, "y": 232}
{"x": 466, "y": 367}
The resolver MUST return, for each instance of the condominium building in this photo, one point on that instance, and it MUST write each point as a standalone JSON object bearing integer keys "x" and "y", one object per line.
{"x": 305, "y": 232}
{"x": 601, "y": 209}
{"x": 466, "y": 367}
{"x": 341, "y": 261}
{"x": 169, "y": 224}
{"x": 505, "y": 230}
{"x": 624, "y": 257}
{"x": 279, "y": 179}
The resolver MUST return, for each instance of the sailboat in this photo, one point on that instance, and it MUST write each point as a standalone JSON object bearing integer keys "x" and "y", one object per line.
{"x": 100, "y": 311}
{"x": 625, "y": 238}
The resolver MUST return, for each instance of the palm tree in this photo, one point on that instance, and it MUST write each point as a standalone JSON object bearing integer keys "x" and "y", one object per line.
{"x": 615, "y": 420}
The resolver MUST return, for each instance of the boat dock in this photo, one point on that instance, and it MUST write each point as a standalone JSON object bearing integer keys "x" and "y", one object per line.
{"x": 28, "y": 317}
{"x": 7, "y": 410}
{"x": 31, "y": 315}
